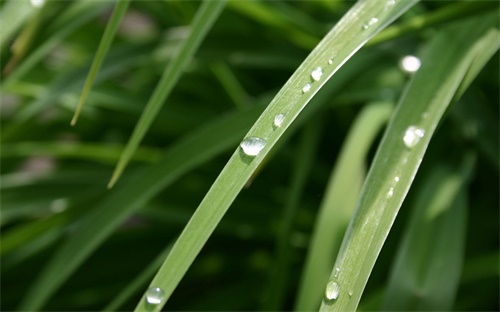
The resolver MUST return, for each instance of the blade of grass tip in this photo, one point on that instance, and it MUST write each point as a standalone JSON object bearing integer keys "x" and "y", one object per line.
{"x": 452, "y": 12}
{"x": 340, "y": 199}
{"x": 278, "y": 284}
{"x": 201, "y": 24}
{"x": 355, "y": 28}
{"x": 426, "y": 272}
{"x": 399, "y": 155}
{"x": 110, "y": 32}
{"x": 141, "y": 280}
{"x": 193, "y": 150}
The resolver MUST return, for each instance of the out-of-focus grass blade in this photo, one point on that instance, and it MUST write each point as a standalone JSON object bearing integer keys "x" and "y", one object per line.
{"x": 201, "y": 24}
{"x": 102, "y": 50}
{"x": 192, "y": 151}
{"x": 13, "y": 15}
{"x": 338, "y": 204}
{"x": 433, "y": 87}
{"x": 364, "y": 20}
{"x": 96, "y": 152}
{"x": 141, "y": 280}
{"x": 304, "y": 160}
{"x": 229, "y": 81}
{"x": 429, "y": 260}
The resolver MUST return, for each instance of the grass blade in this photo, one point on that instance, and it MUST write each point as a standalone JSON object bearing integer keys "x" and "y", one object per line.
{"x": 357, "y": 26}
{"x": 13, "y": 15}
{"x": 428, "y": 264}
{"x": 338, "y": 204}
{"x": 395, "y": 165}
{"x": 102, "y": 50}
{"x": 202, "y": 22}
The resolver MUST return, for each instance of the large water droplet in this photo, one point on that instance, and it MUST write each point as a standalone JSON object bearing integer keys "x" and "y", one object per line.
{"x": 332, "y": 290}
{"x": 155, "y": 295}
{"x": 278, "y": 120}
{"x": 316, "y": 74}
{"x": 410, "y": 64}
{"x": 412, "y": 136}
{"x": 252, "y": 145}
{"x": 369, "y": 23}
{"x": 306, "y": 88}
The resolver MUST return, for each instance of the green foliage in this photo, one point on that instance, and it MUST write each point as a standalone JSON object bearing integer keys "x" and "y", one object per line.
{"x": 200, "y": 74}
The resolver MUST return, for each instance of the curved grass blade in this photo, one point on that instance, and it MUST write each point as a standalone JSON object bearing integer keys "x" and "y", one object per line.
{"x": 202, "y": 22}
{"x": 338, "y": 204}
{"x": 433, "y": 87}
{"x": 363, "y": 21}
{"x": 429, "y": 260}
{"x": 115, "y": 20}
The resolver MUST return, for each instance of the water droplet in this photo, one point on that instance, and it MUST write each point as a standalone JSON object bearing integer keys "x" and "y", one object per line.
{"x": 306, "y": 88}
{"x": 155, "y": 295}
{"x": 425, "y": 115}
{"x": 412, "y": 136}
{"x": 278, "y": 120}
{"x": 336, "y": 274}
{"x": 332, "y": 290}
{"x": 37, "y": 3}
{"x": 391, "y": 2}
{"x": 390, "y": 193}
{"x": 252, "y": 145}
{"x": 371, "y": 22}
{"x": 330, "y": 61}
{"x": 316, "y": 74}
{"x": 410, "y": 64}
{"x": 350, "y": 293}
{"x": 396, "y": 179}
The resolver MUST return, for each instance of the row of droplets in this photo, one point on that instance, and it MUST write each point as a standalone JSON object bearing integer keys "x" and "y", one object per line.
{"x": 252, "y": 146}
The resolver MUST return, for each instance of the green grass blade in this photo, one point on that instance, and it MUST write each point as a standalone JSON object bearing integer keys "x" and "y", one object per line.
{"x": 120, "y": 203}
{"x": 433, "y": 87}
{"x": 428, "y": 264}
{"x": 115, "y": 20}
{"x": 357, "y": 26}
{"x": 304, "y": 161}
{"x": 202, "y": 22}
{"x": 13, "y": 15}
{"x": 230, "y": 82}
{"x": 338, "y": 204}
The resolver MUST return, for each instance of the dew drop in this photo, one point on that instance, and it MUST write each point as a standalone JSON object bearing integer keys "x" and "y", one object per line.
{"x": 390, "y": 193}
{"x": 330, "y": 61}
{"x": 278, "y": 120}
{"x": 396, "y": 179}
{"x": 336, "y": 274}
{"x": 391, "y": 3}
{"x": 369, "y": 23}
{"x": 155, "y": 295}
{"x": 37, "y": 3}
{"x": 410, "y": 64}
{"x": 350, "y": 293}
{"x": 316, "y": 74}
{"x": 332, "y": 290}
{"x": 252, "y": 146}
{"x": 306, "y": 88}
{"x": 412, "y": 136}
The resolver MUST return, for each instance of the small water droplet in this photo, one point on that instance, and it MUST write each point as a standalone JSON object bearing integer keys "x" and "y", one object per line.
{"x": 332, "y": 290}
{"x": 252, "y": 145}
{"x": 278, "y": 120}
{"x": 425, "y": 115}
{"x": 410, "y": 64}
{"x": 155, "y": 295}
{"x": 369, "y": 23}
{"x": 396, "y": 179}
{"x": 412, "y": 136}
{"x": 330, "y": 61}
{"x": 306, "y": 88}
{"x": 37, "y": 3}
{"x": 316, "y": 74}
{"x": 350, "y": 293}
{"x": 390, "y": 193}
{"x": 336, "y": 274}
{"x": 391, "y": 2}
